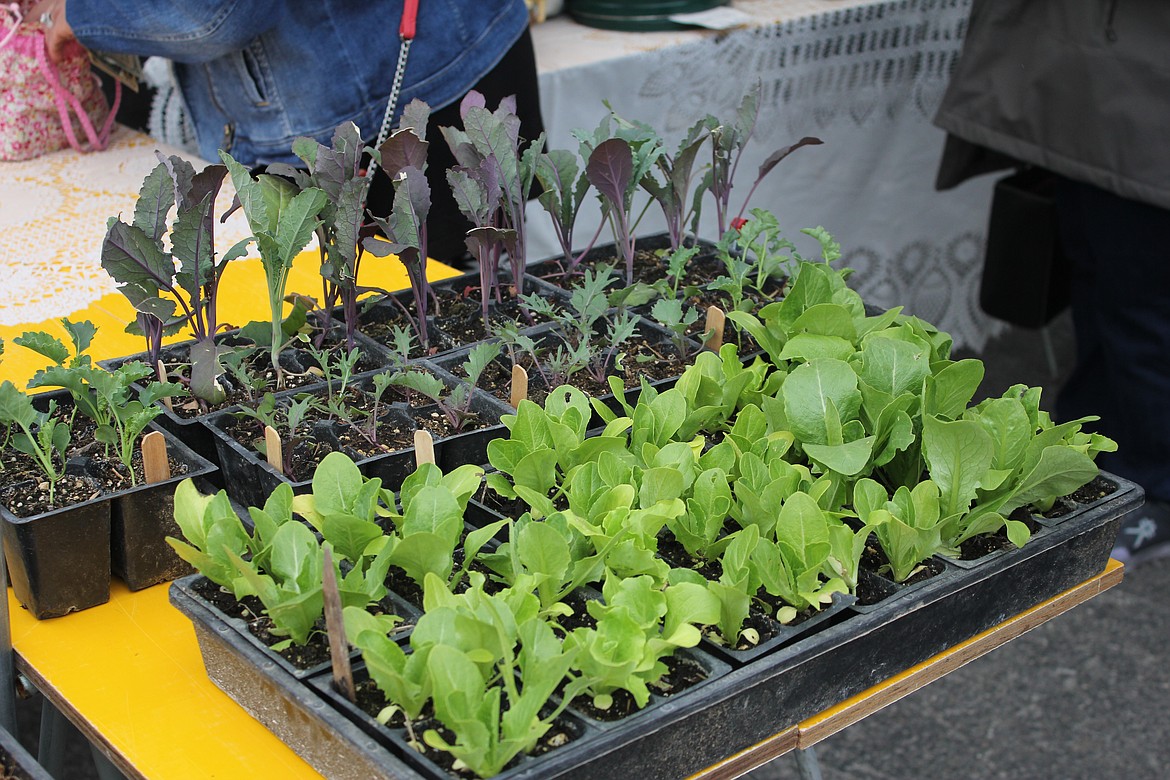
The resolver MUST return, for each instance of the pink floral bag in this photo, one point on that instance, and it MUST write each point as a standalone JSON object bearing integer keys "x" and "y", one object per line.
{"x": 46, "y": 106}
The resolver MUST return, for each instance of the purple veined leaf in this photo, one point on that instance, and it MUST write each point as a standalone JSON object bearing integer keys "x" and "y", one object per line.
{"x": 181, "y": 173}
{"x": 191, "y": 246}
{"x": 505, "y": 114}
{"x": 413, "y": 183}
{"x": 348, "y": 147}
{"x": 491, "y": 139}
{"x": 403, "y": 149}
{"x": 778, "y": 155}
{"x": 461, "y": 147}
{"x": 329, "y": 175}
{"x": 471, "y": 99}
{"x": 483, "y": 239}
{"x": 207, "y": 182}
{"x": 132, "y": 257}
{"x": 469, "y": 195}
{"x": 415, "y": 117}
{"x": 610, "y": 167}
{"x": 683, "y": 165}
{"x": 747, "y": 115}
{"x": 488, "y": 174}
{"x": 154, "y": 202}
{"x": 507, "y": 105}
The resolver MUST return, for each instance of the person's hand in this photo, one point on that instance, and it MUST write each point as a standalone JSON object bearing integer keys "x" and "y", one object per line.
{"x": 59, "y": 37}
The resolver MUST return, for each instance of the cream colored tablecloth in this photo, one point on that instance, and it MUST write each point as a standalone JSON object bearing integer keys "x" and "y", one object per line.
{"x": 53, "y": 213}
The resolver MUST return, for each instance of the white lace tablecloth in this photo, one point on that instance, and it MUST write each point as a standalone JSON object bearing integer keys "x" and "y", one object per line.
{"x": 53, "y": 213}
{"x": 866, "y": 77}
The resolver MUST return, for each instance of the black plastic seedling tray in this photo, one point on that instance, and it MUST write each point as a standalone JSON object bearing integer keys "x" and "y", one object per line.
{"x": 733, "y": 710}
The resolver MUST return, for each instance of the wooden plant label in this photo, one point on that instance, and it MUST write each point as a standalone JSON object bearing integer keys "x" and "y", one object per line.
{"x": 162, "y": 377}
{"x": 335, "y": 628}
{"x": 519, "y": 385}
{"x": 714, "y": 325}
{"x": 273, "y": 448}
{"x": 424, "y": 447}
{"x": 155, "y": 462}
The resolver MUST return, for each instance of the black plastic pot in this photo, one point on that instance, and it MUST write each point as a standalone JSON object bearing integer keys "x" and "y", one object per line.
{"x": 836, "y": 659}
{"x": 713, "y": 667}
{"x": 277, "y": 697}
{"x": 59, "y": 561}
{"x": 192, "y": 429}
{"x": 784, "y": 634}
{"x": 144, "y": 516}
{"x": 891, "y": 591}
{"x": 249, "y": 479}
{"x": 394, "y": 741}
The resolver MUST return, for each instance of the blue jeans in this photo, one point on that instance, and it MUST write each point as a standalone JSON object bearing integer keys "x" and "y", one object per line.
{"x": 1119, "y": 253}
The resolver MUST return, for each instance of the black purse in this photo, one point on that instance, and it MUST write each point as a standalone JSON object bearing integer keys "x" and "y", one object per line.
{"x": 1025, "y": 276}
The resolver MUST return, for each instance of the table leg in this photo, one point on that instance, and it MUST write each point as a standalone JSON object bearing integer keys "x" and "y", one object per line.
{"x": 55, "y": 729}
{"x": 105, "y": 768}
{"x": 807, "y": 764}
{"x": 7, "y": 669}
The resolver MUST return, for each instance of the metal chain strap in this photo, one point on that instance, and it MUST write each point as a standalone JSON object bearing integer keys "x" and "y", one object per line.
{"x": 392, "y": 102}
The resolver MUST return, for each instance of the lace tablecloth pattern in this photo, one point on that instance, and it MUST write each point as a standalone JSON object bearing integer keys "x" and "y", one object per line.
{"x": 864, "y": 77}
{"x": 52, "y": 221}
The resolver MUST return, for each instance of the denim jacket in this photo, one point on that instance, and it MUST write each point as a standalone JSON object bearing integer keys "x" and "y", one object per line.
{"x": 256, "y": 74}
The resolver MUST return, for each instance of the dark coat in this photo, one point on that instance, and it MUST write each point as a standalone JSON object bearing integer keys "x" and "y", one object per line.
{"x": 1080, "y": 87}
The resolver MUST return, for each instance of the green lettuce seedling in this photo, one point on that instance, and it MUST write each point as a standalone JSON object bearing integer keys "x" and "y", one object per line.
{"x": 485, "y": 690}
{"x": 430, "y": 527}
{"x": 1004, "y": 454}
{"x": 550, "y": 555}
{"x": 638, "y": 625}
{"x": 544, "y": 444}
{"x": 344, "y": 507}
{"x": 403, "y": 678}
{"x": 699, "y": 529}
{"x": 213, "y": 534}
{"x": 290, "y": 588}
{"x": 908, "y": 525}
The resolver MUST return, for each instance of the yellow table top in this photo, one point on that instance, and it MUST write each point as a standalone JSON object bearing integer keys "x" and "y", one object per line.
{"x": 132, "y": 676}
